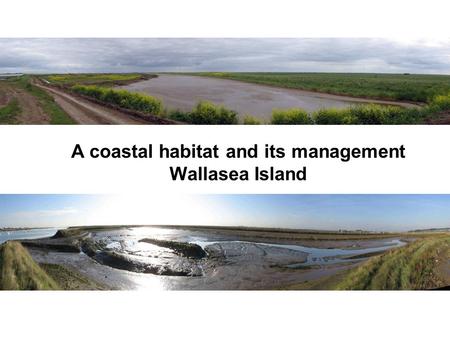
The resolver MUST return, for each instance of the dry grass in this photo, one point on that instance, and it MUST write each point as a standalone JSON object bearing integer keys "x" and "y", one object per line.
{"x": 412, "y": 267}
{"x": 18, "y": 270}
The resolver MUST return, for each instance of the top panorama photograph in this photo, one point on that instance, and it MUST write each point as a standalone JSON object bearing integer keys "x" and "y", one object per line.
{"x": 224, "y": 81}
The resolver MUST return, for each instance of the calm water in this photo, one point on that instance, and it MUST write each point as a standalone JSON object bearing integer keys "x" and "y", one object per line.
{"x": 183, "y": 92}
{"x": 25, "y": 234}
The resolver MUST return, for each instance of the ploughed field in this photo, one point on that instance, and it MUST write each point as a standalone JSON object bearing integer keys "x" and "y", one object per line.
{"x": 205, "y": 258}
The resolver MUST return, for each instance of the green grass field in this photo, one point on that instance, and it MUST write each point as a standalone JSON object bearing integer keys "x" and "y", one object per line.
{"x": 9, "y": 113}
{"x": 104, "y": 80}
{"x": 402, "y": 87}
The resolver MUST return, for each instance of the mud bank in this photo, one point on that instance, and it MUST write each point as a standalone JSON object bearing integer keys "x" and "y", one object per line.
{"x": 202, "y": 258}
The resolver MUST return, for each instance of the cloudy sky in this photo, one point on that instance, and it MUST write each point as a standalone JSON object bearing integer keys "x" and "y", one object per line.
{"x": 370, "y": 212}
{"x": 290, "y": 55}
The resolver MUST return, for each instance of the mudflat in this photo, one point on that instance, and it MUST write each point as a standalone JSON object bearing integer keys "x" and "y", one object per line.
{"x": 190, "y": 258}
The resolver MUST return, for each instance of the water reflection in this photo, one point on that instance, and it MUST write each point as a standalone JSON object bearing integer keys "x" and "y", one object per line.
{"x": 11, "y": 235}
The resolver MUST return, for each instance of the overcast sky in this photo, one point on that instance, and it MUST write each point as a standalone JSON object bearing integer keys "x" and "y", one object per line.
{"x": 369, "y": 212}
{"x": 290, "y": 55}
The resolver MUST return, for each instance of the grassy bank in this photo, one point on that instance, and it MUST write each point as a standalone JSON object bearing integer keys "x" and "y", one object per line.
{"x": 9, "y": 113}
{"x": 402, "y": 87}
{"x": 104, "y": 80}
{"x": 365, "y": 114}
{"x": 412, "y": 267}
{"x": 122, "y": 98}
{"x": 408, "y": 268}
{"x": 18, "y": 270}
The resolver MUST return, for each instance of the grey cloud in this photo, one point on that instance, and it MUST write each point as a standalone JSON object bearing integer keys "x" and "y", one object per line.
{"x": 290, "y": 55}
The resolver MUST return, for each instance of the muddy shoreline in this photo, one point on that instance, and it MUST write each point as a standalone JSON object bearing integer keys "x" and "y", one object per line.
{"x": 204, "y": 258}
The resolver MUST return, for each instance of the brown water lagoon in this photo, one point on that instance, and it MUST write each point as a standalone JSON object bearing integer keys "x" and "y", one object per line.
{"x": 182, "y": 92}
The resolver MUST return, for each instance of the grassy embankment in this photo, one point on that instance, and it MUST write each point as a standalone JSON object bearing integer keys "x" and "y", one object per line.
{"x": 408, "y": 268}
{"x": 18, "y": 271}
{"x": 413, "y": 267}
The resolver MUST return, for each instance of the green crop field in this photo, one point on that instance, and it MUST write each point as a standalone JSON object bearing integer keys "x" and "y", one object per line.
{"x": 105, "y": 80}
{"x": 402, "y": 87}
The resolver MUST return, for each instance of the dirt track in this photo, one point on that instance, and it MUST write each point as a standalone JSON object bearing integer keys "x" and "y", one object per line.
{"x": 31, "y": 110}
{"x": 86, "y": 112}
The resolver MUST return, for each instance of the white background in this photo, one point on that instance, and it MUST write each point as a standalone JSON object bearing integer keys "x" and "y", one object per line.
{"x": 37, "y": 159}
{"x": 261, "y": 314}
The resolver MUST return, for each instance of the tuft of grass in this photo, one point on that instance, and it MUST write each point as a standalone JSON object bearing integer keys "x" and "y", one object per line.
{"x": 18, "y": 270}
{"x": 206, "y": 113}
{"x": 9, "y": 113}
{"x": 251, "y": 120}
{"x": 332, "y": 116}
{"x": 290, "y": 116}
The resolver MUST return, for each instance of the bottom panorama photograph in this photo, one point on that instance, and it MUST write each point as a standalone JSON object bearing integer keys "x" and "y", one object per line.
{"x": 225, "y": 242}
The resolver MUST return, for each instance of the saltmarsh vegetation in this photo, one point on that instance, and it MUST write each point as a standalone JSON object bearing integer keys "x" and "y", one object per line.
{"x": 401, "y": 87}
